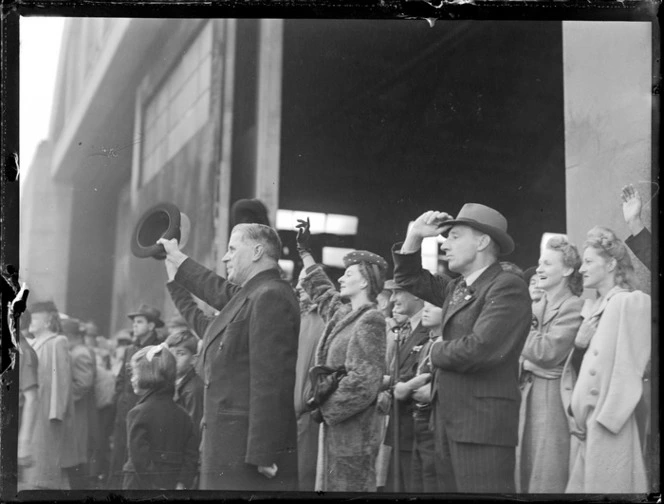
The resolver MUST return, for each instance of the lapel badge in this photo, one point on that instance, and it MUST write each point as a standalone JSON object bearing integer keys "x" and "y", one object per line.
{"x": 467, "y": 297}
{"x": 417, "y": 348}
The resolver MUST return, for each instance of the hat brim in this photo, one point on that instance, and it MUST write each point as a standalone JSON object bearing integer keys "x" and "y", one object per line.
{"x": 159, "y": 221}
{"x": 157, "y": 322}
{"x": 504, "y": 241}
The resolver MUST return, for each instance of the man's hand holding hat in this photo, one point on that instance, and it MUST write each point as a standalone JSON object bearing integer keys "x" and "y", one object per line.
{"x": 430, "y": 223}
{"x": 174, "y": 256}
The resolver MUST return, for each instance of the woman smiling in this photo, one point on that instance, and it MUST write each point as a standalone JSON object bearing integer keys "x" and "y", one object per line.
{"x": 543, "y": 450}
{"x": 610, "y": 354}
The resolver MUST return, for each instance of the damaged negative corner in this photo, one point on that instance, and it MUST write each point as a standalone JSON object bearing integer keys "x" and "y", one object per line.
{"x": 15, "y": 308}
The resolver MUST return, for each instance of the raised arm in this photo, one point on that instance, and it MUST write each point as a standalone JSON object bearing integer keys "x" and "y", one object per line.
{"x": 409, "y": 273}
{"x": 202, "y": 282}
{"x": 194, "y": 316}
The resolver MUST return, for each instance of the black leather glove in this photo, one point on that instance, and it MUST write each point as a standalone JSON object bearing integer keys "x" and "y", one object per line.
{"x": 303, "y": 236}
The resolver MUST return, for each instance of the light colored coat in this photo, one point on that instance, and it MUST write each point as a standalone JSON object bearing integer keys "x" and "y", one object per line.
{"x": 83, "y": 369}
{"x": 350, "y": 433}
{"x": 542, "y": 455}
{"x": 54, "y": 445}
{"x": 605, "y": 454}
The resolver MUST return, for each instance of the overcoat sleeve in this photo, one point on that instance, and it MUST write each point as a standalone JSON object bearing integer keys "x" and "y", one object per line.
{"x": 205, "y": 284}
{"x": 60, "y": 379}
{"x": 188, "y": 308}
{"x": 273, "y": 332}
{"x": 82, "y": 373}
{"x": 633, "y": 344}
{"x": 496, "y": 333}
{"x": 409, "y": 273}
{"x": 641, "y": 244}
{"x": 122, "y": 377}
{"x": 322, "y": 292}
{"x": 365, "y": 367}
{"x": 550, "y": 345}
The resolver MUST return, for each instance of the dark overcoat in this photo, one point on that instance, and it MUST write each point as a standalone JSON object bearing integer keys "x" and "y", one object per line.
{"x": 161, "y": 444}
{"x": 247, "y": 363}
{"x": 125, "y": 400}
{"x": 189, "y": 395}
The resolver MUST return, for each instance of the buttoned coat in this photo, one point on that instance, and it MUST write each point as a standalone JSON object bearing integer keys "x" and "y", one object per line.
{"x": 54, "y": 441}
{"x": 162, "y": 446}
{"x": 542, "y": 457}
{"x": 350, "y": 435}
{"x": 475, "y": 393}
{"x": 125, "y": 400}
{"x": 605, "y": 452}
{"x": 247, "y": 363}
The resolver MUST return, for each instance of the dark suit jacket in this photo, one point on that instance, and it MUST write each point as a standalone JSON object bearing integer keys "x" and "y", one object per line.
{"x": 247, "y": 363}
{"x": 475, "y": 394}
{"x": 408, "y": 359}
{"x": 641, "y": 245}
{"x": 189, "y": 395}
{"x": 161, "y": 444}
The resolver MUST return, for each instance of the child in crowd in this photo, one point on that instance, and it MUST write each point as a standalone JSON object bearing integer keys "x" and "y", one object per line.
{"x": 188, "y": 385}
{"x": 161, "y": 443}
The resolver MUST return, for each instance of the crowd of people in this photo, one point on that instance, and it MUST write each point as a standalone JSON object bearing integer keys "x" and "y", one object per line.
{"x": 484, "y": 377}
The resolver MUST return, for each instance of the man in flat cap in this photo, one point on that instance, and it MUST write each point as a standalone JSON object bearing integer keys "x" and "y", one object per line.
{"x": 486, "y": 319}
{"x": 145, "y": 321}
{"x": 247, "y": 361}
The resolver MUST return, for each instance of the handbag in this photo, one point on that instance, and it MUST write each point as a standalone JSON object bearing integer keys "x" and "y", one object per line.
{"x": 324, "y": 381}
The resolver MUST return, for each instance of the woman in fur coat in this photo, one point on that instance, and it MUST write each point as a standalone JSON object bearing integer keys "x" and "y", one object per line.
{"x": 354, "y": 337}
{"x": 602, "y": 378}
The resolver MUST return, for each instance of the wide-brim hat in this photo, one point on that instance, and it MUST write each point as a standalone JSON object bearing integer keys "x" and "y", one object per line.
{"x": 484, "y": 219}
{"x": 249, "y": 211}
{"x": 164, "y": 220}
{"x": 150, "y": 313}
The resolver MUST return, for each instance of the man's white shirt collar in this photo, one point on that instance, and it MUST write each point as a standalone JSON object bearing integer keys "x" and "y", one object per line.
{"x": 474, "y": 276}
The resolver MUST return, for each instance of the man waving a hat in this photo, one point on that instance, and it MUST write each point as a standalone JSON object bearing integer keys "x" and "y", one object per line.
{"x": 486, "y": 319}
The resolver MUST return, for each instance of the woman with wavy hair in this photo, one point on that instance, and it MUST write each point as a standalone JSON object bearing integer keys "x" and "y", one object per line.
{"x": 543, "y": 450}
{"x": 602, "y": 378}
{"x": 352, "y": 344}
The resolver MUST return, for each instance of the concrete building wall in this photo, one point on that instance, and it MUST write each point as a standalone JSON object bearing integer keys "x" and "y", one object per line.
{"x": 608, "y": 125}
{"x": 45, "y": 225}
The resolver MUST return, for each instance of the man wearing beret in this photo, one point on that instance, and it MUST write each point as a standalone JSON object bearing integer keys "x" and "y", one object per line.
{"x": 247, "y": 361}
{"x": 145, "y": 321}
{"x": 486, "y": 319}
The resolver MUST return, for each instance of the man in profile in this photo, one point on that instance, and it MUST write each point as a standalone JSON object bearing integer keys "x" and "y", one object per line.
{"x": 247, "y": 361}
{"x": 486, "y": 319}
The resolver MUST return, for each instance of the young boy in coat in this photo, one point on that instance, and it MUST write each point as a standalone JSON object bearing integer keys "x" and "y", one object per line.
{"x": 188, "y": 385}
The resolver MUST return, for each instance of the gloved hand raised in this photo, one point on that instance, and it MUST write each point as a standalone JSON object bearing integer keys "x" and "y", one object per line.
{"x": 303, "y": 236}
